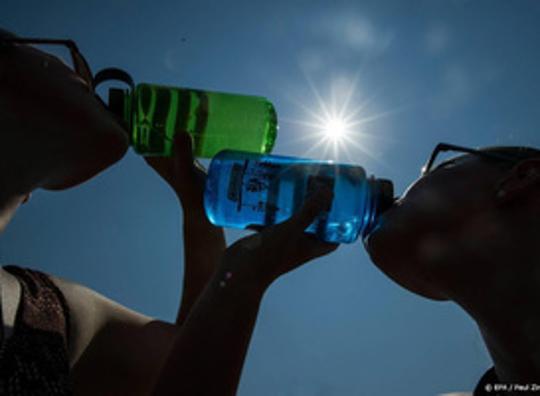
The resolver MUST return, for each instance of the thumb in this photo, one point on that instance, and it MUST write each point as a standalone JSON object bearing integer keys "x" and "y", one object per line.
{"x": 183, "y": 150}
{"x": 183, "y": 146}
{"x": 312, "y": 207}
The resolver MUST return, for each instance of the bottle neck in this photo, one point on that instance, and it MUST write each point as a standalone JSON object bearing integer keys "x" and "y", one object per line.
{"x": 380, "y": 197}
{"x": 120, "y": 106}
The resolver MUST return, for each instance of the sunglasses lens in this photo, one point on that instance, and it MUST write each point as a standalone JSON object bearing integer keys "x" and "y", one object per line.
{"x": 61, "y": 53}
{"x": 54, "y": 53}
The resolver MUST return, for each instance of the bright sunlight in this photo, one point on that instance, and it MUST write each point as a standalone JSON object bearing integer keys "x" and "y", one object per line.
{"x": 337, "y": 125}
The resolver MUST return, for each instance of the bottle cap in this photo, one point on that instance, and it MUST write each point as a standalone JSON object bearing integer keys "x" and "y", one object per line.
{"x": 386, "y": 194}
{"x": 116, "y": 101}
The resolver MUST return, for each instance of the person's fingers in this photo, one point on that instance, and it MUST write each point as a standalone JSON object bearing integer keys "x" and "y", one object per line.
{"x": 183, "y": 147}
{"x": 183, "y": 155}
{"x": 311, "y": 208}
{"x": 182, "y": 159}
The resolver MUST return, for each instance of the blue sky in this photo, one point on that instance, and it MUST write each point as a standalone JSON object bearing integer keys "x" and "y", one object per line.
{"x": 464, "y": 72}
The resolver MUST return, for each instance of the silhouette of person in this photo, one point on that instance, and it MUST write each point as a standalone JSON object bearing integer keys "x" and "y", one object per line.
{"x": 467, "y": 231}
{"x": 59, "y": 336}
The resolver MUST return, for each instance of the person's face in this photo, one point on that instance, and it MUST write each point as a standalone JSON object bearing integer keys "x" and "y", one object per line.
{"x": 444, "y": 217}
{"x": 57, "y": 127}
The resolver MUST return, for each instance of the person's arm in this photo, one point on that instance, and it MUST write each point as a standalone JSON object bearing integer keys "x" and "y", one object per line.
{"x": 115, "y": 350}
{"x": 210, "y": 348}
{"x": 204, "y": 243}
{"x": 112, "y": 349}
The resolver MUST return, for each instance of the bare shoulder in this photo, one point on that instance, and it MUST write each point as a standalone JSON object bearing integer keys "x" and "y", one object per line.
{"x": 90, "y": 311}
{"x": 113, "y": 348}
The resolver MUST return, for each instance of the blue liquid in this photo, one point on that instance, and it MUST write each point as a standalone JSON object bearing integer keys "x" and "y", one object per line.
{"x": 245, "y": 189}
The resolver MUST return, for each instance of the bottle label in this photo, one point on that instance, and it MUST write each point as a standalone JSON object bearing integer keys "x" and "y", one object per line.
{"x": 234, "y": 192}
{"x": 315, "y": 182}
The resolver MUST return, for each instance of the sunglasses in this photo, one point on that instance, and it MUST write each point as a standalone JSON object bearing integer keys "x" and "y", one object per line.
{"x": 444, "y": 147}
{"x": 79, "y": 64}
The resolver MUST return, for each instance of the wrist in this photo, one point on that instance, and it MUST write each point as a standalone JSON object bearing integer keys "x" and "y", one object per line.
{"x": 188, "y": 201}
{"x": 191, "y": 206}
{"x": 194, "y": 218}
{"x": 242, "y": 276}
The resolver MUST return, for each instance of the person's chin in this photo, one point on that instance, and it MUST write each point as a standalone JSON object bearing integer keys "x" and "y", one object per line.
{"x": 392, "y": 251}
{"x": 380, "y": 238}
{"x": 74, "y": 179}
{"x": 67, "y": 183}
{"x": 389, "y": 245}
{"x": 379, "y": 245}
{"x": 108, "y": 157}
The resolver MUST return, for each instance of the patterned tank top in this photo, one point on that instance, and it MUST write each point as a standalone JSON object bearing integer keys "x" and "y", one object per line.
{"x": 34, "y": 359}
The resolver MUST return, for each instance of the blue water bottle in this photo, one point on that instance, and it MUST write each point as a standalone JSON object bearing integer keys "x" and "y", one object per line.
{"x": 244, "y": 189}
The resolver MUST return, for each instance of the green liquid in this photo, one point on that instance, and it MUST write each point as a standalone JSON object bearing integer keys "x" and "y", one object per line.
{"x": 216, "y": 121}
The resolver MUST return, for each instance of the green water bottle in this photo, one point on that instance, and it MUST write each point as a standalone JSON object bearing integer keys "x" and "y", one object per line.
{"x": 215, "y": 120}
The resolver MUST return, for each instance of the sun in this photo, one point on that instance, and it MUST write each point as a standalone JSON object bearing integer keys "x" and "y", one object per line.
{"x": 336, "y": 126}
{"x": 335, "y": 129}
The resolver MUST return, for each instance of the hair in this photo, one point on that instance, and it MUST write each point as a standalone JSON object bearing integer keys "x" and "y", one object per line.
{"x": 516, "y": 153}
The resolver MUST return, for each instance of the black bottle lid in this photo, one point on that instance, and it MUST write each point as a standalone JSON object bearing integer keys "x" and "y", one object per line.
{"x": 116, "y": 101}
{"x": 386, "y": 194}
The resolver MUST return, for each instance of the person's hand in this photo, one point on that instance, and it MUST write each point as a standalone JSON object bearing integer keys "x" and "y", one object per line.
{"x": 183, "y": 174}
{"x": 278, "y": 249}
{"x": 204, "y": 243}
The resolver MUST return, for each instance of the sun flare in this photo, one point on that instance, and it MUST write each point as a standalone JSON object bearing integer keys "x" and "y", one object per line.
{"x": 336, "y": 126}
{"x": 335, "y": 129}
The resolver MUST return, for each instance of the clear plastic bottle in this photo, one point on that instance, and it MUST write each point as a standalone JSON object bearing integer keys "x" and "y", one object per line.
{"x": 244, "y": 189}
{"x": 217, "y": 121}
